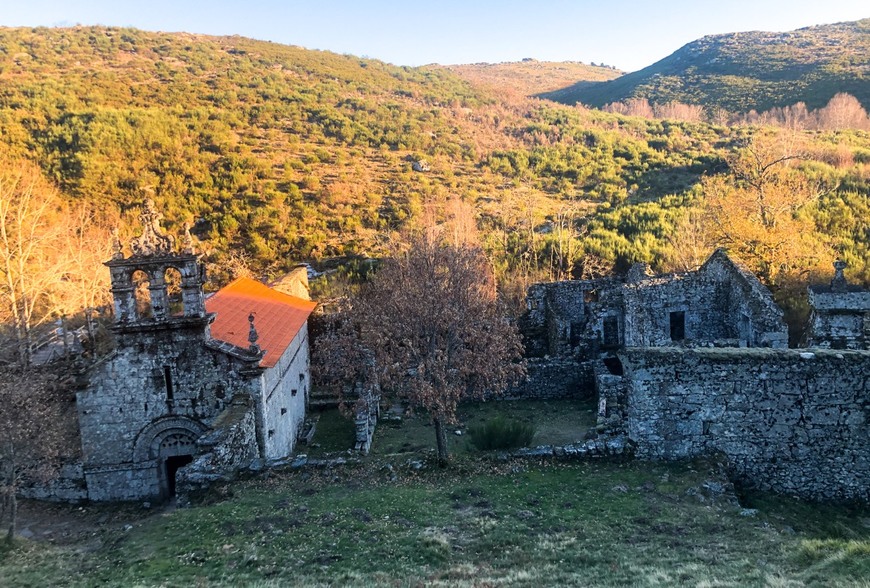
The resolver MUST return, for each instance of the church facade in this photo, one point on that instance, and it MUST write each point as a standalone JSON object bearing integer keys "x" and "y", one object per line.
{"x": 196, "y": 388}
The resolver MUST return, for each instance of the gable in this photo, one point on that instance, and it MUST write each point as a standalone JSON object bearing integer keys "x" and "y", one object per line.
{"x": 278, "y": 317}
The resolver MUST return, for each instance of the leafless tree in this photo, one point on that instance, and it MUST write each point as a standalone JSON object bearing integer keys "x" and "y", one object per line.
{"x": 429, "y": 328}
{"x": 36, "y": 428}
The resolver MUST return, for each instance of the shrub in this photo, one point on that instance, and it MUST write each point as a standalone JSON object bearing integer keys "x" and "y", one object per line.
{"x": 501, "y": 433}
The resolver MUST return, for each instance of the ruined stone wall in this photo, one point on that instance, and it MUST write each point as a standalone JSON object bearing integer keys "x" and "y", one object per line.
{"x": 792, "y": 421}
{"x": 553, "y": 377}
{"x": 128, "y": 391}
{"x": 285, "y": 391}
{"x": 752, "y": 315}
{"x": 840, "y": 320}
{"x": 230, "y": 446}
{"x": 649, "y": 304}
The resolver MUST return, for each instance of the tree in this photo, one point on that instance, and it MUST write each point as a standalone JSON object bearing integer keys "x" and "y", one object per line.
{"x": 758, "y": 211}
{"x": 50, "y": 254}
{"x": 428, "y": 327}
{"x": 36, "y": 426}
{"x": 843, "y": 111}
{"x": 29, "y": 228}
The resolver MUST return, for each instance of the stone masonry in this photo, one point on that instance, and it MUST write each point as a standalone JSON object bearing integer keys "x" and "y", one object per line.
{"x": 791, "y": 421}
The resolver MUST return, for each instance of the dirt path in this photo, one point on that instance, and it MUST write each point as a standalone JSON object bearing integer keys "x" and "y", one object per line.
{"x": 66, "y": 524}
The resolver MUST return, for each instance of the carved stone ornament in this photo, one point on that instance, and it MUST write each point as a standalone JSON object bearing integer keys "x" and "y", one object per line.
{"x": 152, "y": 241}
{"x": 253, "y": 336}
{"x": 188, "y": 240}
{"x": 117, "y": 247}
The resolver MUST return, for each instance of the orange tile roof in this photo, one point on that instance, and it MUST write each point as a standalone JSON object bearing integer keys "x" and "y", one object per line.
{"x": 277, "y": 317}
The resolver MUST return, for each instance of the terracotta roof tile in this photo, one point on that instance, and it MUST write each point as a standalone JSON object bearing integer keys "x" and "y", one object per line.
{"x": 277, "y": 317}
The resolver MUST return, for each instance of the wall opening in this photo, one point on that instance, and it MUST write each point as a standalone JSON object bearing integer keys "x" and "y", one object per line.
{"x": 174, "y": 298}
{"x": 610, "y": 331}
{"x": 173, "y": 464}
{"x": 142, "y": 294}
{"x": 678, "y": 325}
{"x": 167, "y": 379}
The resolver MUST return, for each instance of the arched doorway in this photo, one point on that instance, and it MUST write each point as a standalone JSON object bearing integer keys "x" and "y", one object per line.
{"x": 170, "y": 444}
{"x": 176, "y": 451}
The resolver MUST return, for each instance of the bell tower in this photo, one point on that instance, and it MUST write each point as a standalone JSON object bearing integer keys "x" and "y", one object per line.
{"x": 157, "y": 286}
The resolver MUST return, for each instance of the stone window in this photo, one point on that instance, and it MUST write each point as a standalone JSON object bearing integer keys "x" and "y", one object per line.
{"x": 172, "y": 278}
{"x": 678, "y": 325}
{"x": 610, "y": 331}
{"x": 167, "y": 379}
{"x": 142, "y": 294}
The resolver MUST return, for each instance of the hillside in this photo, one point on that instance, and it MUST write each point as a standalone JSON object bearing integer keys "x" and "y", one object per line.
{"x": 278, "y": 154}
{"x": 530, "y": 76}
{"x": 744, "y": 71}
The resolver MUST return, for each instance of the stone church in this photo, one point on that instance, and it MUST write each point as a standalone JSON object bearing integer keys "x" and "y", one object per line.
{"x": 196, "y": 388}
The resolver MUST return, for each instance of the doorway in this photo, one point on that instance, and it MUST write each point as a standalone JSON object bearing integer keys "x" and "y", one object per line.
{"x": 173, "y": 463}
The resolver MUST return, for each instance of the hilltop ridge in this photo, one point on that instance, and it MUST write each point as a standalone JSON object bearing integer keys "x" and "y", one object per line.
{"x": 748, "y": 70}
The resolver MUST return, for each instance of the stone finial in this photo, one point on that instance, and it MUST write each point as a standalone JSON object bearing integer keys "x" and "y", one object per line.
{"x": 188, "y": 240}
{"x": 152, "y": 241}
{"x": 839, "y": 284}
{"x": 117, "y": 247}
{"x": 253, "y": 336}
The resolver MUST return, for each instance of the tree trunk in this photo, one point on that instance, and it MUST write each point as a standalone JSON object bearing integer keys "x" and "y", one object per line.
{"x": 441, "y": 439}
{"x": 12, "y": 504}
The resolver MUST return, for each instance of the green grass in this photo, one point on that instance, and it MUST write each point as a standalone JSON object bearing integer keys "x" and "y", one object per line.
{"x": 480, "y": 522}
{"x": 556, "y": 422}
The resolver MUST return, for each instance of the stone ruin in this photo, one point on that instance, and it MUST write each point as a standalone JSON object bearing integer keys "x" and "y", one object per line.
{"x": 693, "y": 364}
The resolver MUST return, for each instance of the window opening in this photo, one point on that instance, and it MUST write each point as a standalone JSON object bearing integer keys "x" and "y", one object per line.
{"x": 678, "y": 325}
{"x": 167, "y": 377}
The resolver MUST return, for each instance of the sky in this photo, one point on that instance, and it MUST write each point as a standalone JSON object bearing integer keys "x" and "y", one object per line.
{"x": 627, "y": 34}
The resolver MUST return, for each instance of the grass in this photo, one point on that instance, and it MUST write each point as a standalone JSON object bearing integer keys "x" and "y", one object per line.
{"x": 480, "y": 522}
{"x": 556, "y": 422}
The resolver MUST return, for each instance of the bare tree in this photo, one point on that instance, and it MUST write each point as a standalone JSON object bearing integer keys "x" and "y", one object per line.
{"x": 50, "y": 254}
{"x": 429, "y": 328}
{"x": 28, "y": 253}
{"x": 36, "y": 427}
{"x": 843, "y": 111}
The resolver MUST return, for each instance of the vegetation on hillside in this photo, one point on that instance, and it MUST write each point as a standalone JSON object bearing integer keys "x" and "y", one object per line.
{"x": 748, "y": 71}
{"x": 528, "y": 77}
{"x": 278, "y": 154}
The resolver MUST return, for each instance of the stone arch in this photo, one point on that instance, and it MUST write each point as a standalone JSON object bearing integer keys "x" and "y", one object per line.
{"x": 173, "y": 280}
{"x": 167, "y": 437}
{"x": 141, "y": 281}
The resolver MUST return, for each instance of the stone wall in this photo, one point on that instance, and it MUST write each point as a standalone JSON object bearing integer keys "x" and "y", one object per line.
{"x": 230, "y": 446}
{"x": 156, "y": 386}
{"x": 285, "y": 394}
{"x": 67, "y": 486}
{"x": 553, "y": 377}
{"x": 791, "y": 421}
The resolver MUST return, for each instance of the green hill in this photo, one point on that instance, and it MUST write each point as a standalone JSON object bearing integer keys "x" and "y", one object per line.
{"x": 280, "y": 154}
{"x": 745, "y": 71}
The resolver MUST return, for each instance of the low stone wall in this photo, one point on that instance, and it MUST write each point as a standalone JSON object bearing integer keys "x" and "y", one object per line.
{"x": 67, "y": 486}
{"x": 791, "y": 421}
{"x": 550, "y": 378}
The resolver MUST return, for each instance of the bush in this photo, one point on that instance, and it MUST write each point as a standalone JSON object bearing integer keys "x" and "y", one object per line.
{"x": 501, "y": 433}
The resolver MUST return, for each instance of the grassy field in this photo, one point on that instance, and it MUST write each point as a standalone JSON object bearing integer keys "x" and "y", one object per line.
{"x": 483, "y": 521}
{"x": 556, "y": 422}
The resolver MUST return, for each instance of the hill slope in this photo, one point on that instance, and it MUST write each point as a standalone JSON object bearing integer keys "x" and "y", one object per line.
{"x": 280, "y": 154}
{"x": 744, "y": 71}
{"x": 528, "y": 77}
